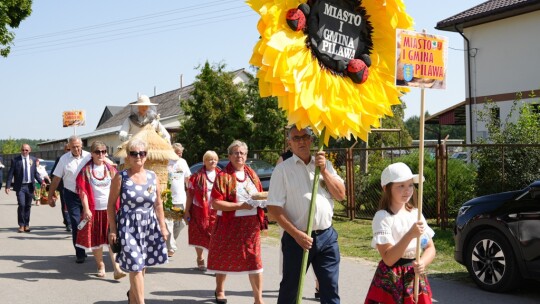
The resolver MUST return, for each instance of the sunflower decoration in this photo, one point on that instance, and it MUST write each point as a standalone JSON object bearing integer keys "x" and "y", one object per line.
{"x": 330, "y": 62}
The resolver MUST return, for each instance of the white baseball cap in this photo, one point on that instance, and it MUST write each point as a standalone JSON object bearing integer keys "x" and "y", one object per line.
{"x": 398, "y": 172}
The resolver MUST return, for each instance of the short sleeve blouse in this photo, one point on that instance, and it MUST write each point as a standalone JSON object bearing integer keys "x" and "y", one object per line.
{"x": 389, "y": 229}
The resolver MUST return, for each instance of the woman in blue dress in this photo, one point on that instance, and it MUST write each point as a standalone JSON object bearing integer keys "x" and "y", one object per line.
{"x": 140, "y": 223}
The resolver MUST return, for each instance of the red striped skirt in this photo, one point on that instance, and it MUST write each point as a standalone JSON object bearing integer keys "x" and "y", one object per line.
{"x": 94, "y": 234}
{"x": 396, "y": 285}
{"x": 235, "y": 246}
{"x": 200, "y": 227}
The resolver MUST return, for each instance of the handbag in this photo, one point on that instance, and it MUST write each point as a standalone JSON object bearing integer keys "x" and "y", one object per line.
{"x": 116, "y": 246}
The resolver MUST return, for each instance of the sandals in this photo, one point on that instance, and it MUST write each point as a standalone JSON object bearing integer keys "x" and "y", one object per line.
{"x": 200, "y": 265}
{"x": 119, "y": 274}
{"x": 101, "y": 273}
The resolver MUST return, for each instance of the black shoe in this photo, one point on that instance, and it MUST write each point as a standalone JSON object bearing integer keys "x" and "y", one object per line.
{"x": 68, "y": 228}
{"x": 219, "y": 301}
{"x": 317, "y": 294}
{"x": 80, "y": 260}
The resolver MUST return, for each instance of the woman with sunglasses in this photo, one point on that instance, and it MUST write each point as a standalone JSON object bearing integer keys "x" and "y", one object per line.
{"x": 140, "y": 222}
{"x": 93, "y": 185}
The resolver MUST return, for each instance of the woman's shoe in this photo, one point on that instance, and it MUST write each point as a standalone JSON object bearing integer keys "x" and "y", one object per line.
{"x": 200, "y": 265}
{"x": 220, "y": 301}
{"x": 119, "y": 274}
{"x": 100, "y": 273}
{"x": 317, "y": 293}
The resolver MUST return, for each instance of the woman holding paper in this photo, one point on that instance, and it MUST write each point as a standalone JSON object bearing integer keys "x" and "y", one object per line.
{"x": 235, "y": 245}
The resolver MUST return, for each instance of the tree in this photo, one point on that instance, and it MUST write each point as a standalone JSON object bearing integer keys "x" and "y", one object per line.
{"x": 268, "y": 119}
{"x": 521, "y": 164}
{"x": 12, "y": 12}
{"x": 214, "y": 114}
{"x": 432, "y": 131}
{"x": 392, "y": 139}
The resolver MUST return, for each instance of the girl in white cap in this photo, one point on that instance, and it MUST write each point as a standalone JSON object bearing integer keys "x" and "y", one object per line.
{"x": 395, "y": 229}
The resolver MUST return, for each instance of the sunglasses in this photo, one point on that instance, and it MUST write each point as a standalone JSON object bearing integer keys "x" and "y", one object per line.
{"x": 98, "y": 152}
{"x": 135, "y": 153}
{"x": 304, "y": 137}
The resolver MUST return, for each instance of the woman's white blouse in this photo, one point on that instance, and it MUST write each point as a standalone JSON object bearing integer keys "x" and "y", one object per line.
{"x": 389, "y": 229}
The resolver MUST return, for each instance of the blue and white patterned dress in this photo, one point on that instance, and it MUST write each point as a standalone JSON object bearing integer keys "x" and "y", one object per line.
{"x": 142, "y": 243}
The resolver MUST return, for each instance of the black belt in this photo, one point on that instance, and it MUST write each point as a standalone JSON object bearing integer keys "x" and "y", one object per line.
{"x": 403, "y": 262}
{"x": 26, "y": 184}
{"x": 321, "y": 230}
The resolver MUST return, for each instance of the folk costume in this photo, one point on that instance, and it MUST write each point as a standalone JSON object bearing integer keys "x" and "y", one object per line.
{"x": 95, "y": 182}
{"x": 395, "y": 283}
{"x": 203, "y": 217}
{"x": 235, "y": 245}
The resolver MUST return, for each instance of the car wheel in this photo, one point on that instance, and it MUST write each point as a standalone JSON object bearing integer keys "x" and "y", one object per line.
{"x": 491, "y": 262}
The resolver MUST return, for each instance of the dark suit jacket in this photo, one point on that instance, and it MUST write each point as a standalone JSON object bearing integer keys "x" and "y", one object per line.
{"x": 16, "y": 173}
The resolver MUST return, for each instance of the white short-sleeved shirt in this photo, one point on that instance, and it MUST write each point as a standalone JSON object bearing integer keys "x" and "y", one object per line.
{"x": 291, "y": 185}
{"x": 178, "y": 172}
{"x": 389, "y": 229}
{"x": 68, "y": 168}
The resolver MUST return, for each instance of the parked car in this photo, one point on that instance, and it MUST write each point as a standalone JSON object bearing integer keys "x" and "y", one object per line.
{"x": 464, "y": 156}
{"x": 497, "y": 237}
{"x": 48, "y": 165}
{"x": 263, "y": 169}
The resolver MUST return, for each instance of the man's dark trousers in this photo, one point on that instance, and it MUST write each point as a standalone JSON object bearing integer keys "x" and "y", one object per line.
{"x": 323, "y": 256}
{"x": 24, "y": 199}
{"x": 74, "y": 207}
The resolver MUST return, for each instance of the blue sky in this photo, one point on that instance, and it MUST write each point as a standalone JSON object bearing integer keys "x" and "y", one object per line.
{"x": 85, "y": 55}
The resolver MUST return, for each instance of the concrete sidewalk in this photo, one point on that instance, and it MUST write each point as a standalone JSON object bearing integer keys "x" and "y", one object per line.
{"x": 39, "y": 267}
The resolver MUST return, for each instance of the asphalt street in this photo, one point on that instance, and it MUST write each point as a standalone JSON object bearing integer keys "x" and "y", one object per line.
{"x": 39, "y": 267}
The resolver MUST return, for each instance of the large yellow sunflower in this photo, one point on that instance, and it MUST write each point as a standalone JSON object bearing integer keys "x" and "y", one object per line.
{"x": 314, "y": 96}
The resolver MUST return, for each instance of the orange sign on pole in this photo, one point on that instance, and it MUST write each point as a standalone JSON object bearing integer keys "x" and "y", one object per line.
{"x": 421, "y": 60}
{"x": 73, "y": 118}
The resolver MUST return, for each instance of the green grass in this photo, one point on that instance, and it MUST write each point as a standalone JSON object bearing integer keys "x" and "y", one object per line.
{"x": 355, "y": 241}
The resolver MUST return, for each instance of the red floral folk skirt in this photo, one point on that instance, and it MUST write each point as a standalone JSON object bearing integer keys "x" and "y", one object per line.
{"x": 396, "y": 285}
{"x": 235, "y": 246}
{"x": 200, "y": 227}
{"x": 94, "y": 234}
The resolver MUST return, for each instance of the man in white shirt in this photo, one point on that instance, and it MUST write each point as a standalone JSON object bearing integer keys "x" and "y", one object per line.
{"x": 289, "y": 199}
{"x": 67, "y": 170}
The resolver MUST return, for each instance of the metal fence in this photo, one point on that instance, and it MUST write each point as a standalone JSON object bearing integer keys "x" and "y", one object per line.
{"x": 453, "y": 174}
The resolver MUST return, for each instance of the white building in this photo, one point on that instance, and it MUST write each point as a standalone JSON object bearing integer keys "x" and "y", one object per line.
{"x": 501, "y": 59}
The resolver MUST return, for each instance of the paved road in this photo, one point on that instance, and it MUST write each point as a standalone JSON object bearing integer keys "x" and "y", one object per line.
{"x": 39, "y": 267}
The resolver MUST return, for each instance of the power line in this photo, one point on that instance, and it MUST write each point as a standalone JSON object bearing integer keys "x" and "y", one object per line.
{"x": 129, "y": 30}
{"x": 128, "y": 20}
{"x": 205, "y": 22}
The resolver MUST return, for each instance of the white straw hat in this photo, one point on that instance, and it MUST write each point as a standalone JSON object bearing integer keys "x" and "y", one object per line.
{"x": 143, "y": 101}
{"x": 398, "y": 172}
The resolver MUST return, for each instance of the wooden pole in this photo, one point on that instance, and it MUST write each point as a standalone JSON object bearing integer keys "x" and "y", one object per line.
{"x": 420, "y": 186}
{"x": 310, "y": 222}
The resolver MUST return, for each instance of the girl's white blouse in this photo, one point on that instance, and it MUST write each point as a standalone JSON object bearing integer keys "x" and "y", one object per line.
{"x": 389, "y": 229}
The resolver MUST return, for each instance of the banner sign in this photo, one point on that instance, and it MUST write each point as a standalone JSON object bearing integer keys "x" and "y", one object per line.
{"x": 73, "y": 118}
{"x": 421, "y": 59}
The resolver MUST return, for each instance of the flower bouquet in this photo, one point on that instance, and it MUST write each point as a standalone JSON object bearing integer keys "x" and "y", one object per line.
{"x": 171, "y": 211}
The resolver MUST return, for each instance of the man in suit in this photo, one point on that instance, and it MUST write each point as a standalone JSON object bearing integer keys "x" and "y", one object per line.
{"x": 60, "y": 189}
{"x": 23, "y": 171}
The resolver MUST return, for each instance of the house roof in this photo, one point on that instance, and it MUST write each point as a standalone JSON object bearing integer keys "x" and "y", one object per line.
{"x": 454, "y": 115}
{"x": 168, "y": 104}
{"x": 488, "y": 11}
{"x": 108, "y": 112}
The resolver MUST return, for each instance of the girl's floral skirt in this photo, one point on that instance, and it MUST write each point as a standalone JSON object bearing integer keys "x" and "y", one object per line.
{"x": 396, "y": 285}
